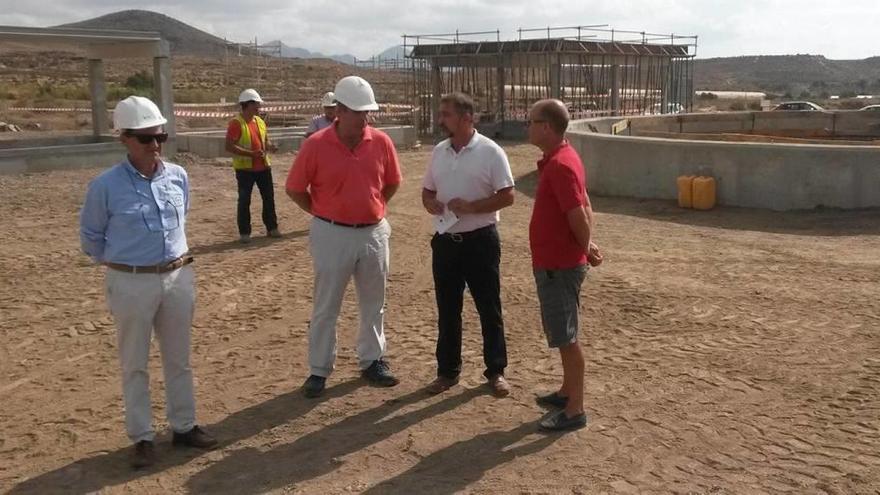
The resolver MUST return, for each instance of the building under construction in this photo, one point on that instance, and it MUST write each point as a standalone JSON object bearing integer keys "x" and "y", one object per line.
{"x": 593, "y": 69}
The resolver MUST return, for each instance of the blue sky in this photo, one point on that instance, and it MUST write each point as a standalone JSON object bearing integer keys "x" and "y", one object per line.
{"x": 843, "y": 30}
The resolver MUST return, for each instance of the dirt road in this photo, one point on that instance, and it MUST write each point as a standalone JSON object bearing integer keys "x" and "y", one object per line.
{"x": 732, "y": 351}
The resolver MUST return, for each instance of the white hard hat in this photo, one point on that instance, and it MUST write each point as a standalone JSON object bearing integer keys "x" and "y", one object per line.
{"x": 328, "y": 100}
{"x": 137, "y": 112}
{"x": 355, "y": 93}
{"x": 249, "y": 95}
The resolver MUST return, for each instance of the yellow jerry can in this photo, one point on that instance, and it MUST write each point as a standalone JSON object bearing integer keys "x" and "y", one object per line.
{"x": 704, "y": 193}
{"x": 685, "y": 191}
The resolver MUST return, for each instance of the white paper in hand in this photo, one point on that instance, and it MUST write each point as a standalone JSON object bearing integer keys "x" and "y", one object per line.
{"x": 445, "y": 221}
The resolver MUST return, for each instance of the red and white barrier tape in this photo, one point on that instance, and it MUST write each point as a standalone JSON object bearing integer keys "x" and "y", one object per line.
{"x": 181, "y": 110}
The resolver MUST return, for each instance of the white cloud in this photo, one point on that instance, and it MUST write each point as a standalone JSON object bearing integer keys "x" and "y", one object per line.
{"x": 725, "y": 27}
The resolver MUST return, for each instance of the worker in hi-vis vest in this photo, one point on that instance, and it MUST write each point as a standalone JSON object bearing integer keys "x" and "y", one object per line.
{"x": 248, "y": 141}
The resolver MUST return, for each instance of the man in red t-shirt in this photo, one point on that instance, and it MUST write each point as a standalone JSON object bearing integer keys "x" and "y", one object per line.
{"x": 247, "y": 139}
{"x": 560, "y": 239}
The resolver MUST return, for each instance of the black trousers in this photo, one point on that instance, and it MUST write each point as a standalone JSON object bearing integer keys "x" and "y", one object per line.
{"x": 470, "y": 258}
{"x": 246, "y": 181}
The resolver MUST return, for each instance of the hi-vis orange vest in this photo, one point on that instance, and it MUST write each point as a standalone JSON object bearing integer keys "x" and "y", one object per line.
{"x": 246, "y": 162}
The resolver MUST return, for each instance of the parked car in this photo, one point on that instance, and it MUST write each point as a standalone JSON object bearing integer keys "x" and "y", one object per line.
{"x": 870, "y": 108}
{"x": 798, "y": 106}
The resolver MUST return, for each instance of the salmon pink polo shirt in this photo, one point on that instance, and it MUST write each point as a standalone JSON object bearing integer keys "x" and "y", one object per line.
{"x": 346, "y": 185}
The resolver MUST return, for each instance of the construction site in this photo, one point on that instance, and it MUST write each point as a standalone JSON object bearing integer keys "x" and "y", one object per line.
{"x": 727, "y": 351}
{"x": 595, "y": 70}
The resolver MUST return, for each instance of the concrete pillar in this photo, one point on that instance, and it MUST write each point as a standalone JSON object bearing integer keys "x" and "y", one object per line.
{"x": 436, "y": 95}
{"x": 667, "y": 86}
{"x": 502, "y": 96}
{"x": 555, "y": 80}
{"x": 98, "y": 92}
{"x": 165, "y": 100}
{"x": 615, "y": 89}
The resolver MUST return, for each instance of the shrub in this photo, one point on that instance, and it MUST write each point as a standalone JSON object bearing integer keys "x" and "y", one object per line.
{"x": 115, "y": 93}
{"x": 140, "y": 80}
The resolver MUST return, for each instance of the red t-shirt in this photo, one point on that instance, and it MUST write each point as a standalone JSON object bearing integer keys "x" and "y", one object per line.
{"x": 233, "y": 132}
{"x": 345, "y": 186}
{"x": 561, "y": 188}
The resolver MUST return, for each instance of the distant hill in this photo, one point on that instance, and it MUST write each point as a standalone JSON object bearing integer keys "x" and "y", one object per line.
{"x": 791, "y": 74}
{"x": 184, "y": 39}
{"x": 395, "y": 51}
{"x": 296, "y": 52}
{"x": 796, "y": 75}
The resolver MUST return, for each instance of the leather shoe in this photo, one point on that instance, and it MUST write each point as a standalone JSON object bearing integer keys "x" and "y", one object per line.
{"x": 143, "y": 455}
{"x": 499, "y": 386}
{"x": 441, "y": 384}
{"x": 314, "y": 386}
{"x": 196, "y": 437}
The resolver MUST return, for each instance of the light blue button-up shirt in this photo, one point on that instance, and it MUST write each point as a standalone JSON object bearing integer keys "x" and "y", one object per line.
{"x": 134, "y": 220}
{"x": 319, "y": 122}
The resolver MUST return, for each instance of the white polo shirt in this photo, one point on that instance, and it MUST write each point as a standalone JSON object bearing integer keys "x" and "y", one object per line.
{"x": 477, "y": 171}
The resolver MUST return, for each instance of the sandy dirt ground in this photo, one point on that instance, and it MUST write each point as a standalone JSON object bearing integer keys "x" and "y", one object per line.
{"x": 731, "y": 351}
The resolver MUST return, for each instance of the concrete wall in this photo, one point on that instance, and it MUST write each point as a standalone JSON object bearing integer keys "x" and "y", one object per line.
{"x": 758, "y": 175}
{"x": 61, "y": 153}
{"x": 212, "y": 144}
{"x": 843, "y": 123}
{"x": 40, "y": 142}
{"x": 45, "y": 158}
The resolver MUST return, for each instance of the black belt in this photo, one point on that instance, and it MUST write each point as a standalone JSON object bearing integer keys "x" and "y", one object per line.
{"x": 349, "y": 225}
{"x": 163, "y": 268}
{"x": 460, "y": 237}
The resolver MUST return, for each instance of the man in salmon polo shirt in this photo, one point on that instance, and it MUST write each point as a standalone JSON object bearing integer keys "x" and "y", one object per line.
{"x": 344, "y": 176}
{"x": 560, "y": 234}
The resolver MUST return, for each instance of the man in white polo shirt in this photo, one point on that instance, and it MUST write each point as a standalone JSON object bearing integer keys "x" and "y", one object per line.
{"x": 467, "y": 182}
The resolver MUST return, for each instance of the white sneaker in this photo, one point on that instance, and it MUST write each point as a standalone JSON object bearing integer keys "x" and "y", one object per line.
{"x": 244, "y": 239}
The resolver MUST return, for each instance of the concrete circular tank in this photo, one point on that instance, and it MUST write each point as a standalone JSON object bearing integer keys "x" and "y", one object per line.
{"x": 775, "y": 160}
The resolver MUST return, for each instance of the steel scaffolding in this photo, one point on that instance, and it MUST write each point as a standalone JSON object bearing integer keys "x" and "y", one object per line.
{"x": 595, "y": 70}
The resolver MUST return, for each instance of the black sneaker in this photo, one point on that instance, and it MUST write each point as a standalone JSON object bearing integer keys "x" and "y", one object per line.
{"x": 558, "y": 421}
{"x": 143, "y": 455}
{"x": 314, "y": 386}
{"x": 552, "y": 400}
{"x": 380, "y": 374}
{"x": 196, "y": 437}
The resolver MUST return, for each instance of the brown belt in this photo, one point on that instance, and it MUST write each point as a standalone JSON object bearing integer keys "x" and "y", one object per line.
{"x": 349, "y": 225}
{"x": 163, "y": 268}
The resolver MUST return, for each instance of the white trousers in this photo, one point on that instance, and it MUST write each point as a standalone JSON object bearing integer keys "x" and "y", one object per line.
{"x": 141, "y": 303}
{"x": 338, "y": 254}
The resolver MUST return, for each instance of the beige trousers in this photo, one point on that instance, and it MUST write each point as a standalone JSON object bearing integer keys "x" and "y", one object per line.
{"x": 338, "y": 254}
{"x": 141, "y": 304}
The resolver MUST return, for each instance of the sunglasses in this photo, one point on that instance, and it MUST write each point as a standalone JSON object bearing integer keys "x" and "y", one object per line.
{"x": 148, "y": 138}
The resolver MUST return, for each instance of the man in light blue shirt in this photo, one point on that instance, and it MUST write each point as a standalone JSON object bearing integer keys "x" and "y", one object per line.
{"x": 132, "y": 219}
{"x": 133, "y": 222}
{"x": 328, "y": 101}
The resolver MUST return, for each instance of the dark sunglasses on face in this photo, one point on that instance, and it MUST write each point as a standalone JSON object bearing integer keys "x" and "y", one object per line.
{"x": 148, "y": 138}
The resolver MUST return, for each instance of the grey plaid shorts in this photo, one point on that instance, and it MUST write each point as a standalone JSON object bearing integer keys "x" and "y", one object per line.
{"x": 559, "y": 295}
